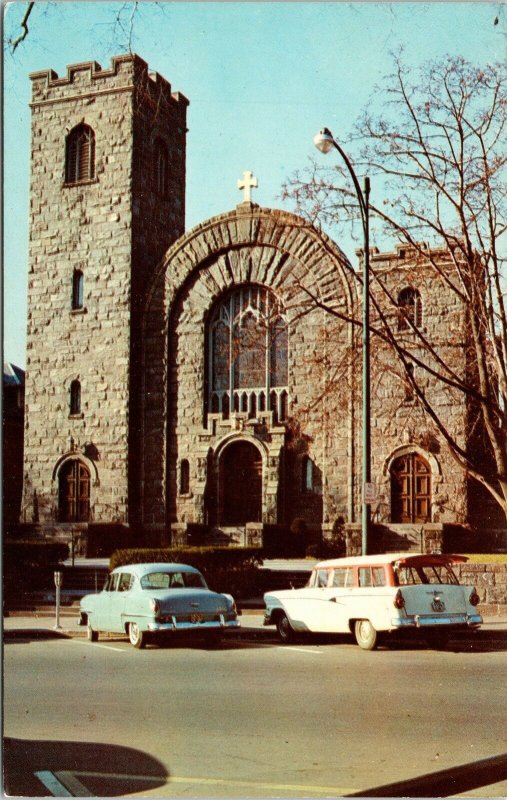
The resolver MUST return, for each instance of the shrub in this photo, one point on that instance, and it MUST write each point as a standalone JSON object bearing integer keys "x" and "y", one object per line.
{"x": 280, "y": 541}
{"x": 334, "y": 547}
{"x": 29, "y": 565}
{"x": 226, "y": 569}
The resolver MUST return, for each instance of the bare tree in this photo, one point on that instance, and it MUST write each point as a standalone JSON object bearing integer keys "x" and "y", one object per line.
{"x": 436, "y": 153}
{"x": 120, "y": 32}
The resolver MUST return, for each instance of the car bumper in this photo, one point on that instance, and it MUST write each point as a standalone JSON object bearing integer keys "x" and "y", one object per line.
{"x": 175, "y": 625}
{"x": 430, "y": 621}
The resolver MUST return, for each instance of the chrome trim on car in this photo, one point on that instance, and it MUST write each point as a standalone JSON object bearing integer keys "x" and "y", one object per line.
{"x": 189, "y": 626}
{"x": 421, "y": 621}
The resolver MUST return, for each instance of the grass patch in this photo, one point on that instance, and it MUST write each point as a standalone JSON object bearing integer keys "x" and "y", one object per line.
{"x": 486, "y": 558}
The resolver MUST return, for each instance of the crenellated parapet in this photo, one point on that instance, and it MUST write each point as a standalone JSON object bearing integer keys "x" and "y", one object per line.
{"x": 89, "y": 78}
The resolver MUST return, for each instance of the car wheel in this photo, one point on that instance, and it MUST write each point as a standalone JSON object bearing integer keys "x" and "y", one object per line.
{"x": 137, "y": 637}
{"x": 366, "y": 635}
{"x": 284, "y": 628}
{"x": 91, "y": 634}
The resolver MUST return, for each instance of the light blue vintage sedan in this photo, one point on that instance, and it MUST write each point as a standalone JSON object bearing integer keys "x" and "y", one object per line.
{"x": 147, "y": 600}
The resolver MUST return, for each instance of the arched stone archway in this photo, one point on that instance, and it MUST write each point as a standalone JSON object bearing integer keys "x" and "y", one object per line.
{"x": 248, "y": 246}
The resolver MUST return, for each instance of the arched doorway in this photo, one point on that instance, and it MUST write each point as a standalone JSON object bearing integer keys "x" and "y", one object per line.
{"x": 240, "y": 484}
{"x": 410, "y": 489}
{"x": 74, "y": 492}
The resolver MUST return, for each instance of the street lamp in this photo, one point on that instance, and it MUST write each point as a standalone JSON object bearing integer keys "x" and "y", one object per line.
{"x": 324, "y": 141}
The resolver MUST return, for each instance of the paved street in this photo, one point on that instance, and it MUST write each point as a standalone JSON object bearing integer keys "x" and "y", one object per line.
{"x": 254, "y": 719}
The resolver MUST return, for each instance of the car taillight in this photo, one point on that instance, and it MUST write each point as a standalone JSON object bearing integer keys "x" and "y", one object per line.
{"x": 474, "y": 598}
{"x": 155, "y": 606}
{"x": 399, "y": 600}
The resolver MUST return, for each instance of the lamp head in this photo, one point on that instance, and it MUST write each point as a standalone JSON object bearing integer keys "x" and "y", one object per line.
{"x": 324, "y": 141}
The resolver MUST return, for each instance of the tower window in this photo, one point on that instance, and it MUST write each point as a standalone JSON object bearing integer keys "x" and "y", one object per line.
{"x": 409, "y": 309}
{"x": 409, "y": 386}
{"x": 80, "y": 155}
{"x": 307, "y": 475}
{"x": 161, "y": 168}
{"x": 77, "y": 289}
{"x": 184, "y": 477}
{"x": 75, "y": 397}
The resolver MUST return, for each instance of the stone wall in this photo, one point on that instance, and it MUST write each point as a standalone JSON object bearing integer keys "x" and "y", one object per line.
{"x": 490, "y": 580}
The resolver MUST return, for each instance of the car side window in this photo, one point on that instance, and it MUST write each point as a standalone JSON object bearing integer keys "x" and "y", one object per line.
{"x": 378, "y": 576}
{"x": 112, "y": 583}
{"x": 125, "y": 582}
{"x": 322, "y": 576}
{"x": 343, "y": 577}
{"x": 364, "y": 576}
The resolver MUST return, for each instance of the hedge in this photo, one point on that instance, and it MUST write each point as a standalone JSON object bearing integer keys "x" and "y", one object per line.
{"x": 226, "y": 569}
{"x": 28, "y": 565}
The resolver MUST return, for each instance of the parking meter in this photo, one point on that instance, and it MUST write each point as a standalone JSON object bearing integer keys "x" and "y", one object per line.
{"x": 58, "y": 583}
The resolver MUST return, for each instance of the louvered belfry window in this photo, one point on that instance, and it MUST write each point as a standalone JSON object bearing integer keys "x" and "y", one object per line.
{"x": 80, "y": 155}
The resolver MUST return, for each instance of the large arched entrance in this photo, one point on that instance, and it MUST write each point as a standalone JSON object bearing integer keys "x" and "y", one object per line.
{"x": 240, "y": 484}
{"x": 410, "y": 489}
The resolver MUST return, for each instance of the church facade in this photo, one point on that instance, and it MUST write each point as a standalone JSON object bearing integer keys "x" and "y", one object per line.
{"x": 208, "y": 383}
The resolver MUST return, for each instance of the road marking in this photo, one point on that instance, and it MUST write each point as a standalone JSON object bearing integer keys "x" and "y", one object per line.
{"x": 300, "y": 650}
{"x": 291, "y": 787}
{"x": 52, "y": 783}
{"x": 95, "y": 644}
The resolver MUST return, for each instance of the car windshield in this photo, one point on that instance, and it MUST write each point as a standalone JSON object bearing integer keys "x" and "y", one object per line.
{"x": 424, "y": 573}
{"x": 173, "y": 580}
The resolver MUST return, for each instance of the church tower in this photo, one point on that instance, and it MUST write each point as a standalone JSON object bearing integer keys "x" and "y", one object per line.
{"x": 107, "y": 199}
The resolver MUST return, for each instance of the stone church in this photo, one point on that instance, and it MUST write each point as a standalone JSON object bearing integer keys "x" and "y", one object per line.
{"x": 206, "y": 385}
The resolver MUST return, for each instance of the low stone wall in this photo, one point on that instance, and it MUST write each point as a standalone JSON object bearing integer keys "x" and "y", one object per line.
{"x": 490, "y": 580}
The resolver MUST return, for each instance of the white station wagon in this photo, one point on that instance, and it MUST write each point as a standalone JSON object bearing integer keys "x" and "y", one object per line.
{"x": 372, "y": 595}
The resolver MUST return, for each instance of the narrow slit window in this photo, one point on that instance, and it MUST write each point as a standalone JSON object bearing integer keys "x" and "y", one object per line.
{"x": 75, "y": 397}
{"x": 409, "y": 309}
{"x": 77, "y": 290}
{"x": 184, "y": 477}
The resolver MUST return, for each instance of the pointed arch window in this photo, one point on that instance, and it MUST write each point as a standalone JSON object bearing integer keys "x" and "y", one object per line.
{"x": 161, "y": 168}
{"x": 75, "y": 398}
{"x": 410, "y": 310}
{"x": 247, "y": 343}
{"x": 80, "y": 155}
{"x": 74, "y": 492}
{"x": 77, "y": 290}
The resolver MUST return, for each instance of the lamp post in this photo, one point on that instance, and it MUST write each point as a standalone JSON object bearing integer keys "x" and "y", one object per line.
{"x": 324, "y": 141}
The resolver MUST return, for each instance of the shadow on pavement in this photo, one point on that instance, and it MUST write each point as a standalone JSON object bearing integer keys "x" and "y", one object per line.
{"x": 444, "y": 783}
{"x": 34, "y": 768}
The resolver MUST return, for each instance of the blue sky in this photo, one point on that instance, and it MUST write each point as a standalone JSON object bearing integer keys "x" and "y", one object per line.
{"x": 261, "y": 78}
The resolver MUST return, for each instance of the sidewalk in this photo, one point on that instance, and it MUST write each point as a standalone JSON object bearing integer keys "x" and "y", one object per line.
{"x": 43, "y": 624}
{"x": 251, "y": 623}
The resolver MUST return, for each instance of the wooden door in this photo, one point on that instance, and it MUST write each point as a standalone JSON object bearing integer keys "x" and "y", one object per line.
{"x": 240, "y": 484}
{"x": 410, "y": 489}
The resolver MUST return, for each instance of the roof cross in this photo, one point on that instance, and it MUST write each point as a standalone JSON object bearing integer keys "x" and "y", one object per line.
{"x": 248, "y": 183}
